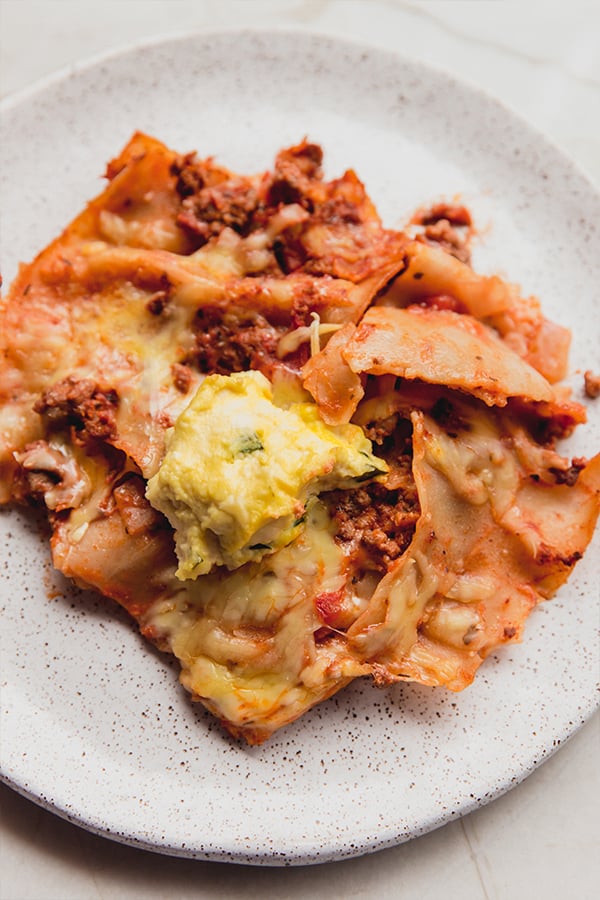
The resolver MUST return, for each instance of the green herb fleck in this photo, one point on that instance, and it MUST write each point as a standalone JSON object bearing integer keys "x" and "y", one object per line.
{"x": 249, "y": 443}
{"x": 371, "y": 473}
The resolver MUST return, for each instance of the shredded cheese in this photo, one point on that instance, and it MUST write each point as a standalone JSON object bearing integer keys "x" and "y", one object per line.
{"x": 290, "y": 342}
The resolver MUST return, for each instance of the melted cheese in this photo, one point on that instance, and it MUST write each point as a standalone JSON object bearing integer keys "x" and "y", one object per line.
{"x": 485, "y": 551}
{"x": 245, "y": 639}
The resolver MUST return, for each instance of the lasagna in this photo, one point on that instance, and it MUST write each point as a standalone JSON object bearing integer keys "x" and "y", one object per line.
{"x": 298, "y": 447}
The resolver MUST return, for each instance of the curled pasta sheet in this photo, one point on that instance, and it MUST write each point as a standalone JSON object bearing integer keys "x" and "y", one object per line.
{"x": 431, "y": 272}
{"x": 443, "y": 347}
{"x": 543, "y": 344}
{"x": 335, "y": 388}
{"x": 437, "y": 278}
{"x": 430, "y": 345}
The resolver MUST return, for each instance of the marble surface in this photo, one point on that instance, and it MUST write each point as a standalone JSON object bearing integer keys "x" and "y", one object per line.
{"x": 540, "y": 840}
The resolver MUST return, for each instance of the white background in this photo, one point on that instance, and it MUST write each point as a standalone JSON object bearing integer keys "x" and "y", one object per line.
{"x": 542, "y": 840}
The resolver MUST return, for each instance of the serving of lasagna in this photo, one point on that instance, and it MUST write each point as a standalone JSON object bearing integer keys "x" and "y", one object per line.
{"x": 296, "y": 446}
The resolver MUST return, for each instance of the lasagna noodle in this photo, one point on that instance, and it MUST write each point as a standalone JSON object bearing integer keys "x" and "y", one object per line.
{"x": 434, "y": 277}
{"x": 435, "y": 346}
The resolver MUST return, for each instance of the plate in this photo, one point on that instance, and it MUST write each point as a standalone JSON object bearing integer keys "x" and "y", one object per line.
{"x": 94, "y": 723}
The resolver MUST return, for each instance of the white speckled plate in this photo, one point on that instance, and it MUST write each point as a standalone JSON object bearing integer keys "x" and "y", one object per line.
{"x": 94, "y": 724}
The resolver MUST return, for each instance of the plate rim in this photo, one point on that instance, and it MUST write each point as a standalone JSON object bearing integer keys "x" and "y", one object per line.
{"x": 81, "y": 65}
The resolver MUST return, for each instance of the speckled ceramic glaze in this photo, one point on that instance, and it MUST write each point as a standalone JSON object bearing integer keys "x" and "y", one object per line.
{"x": 94, "y": 724}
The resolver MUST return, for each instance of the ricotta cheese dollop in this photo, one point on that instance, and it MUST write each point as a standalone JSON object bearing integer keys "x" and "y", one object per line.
{"x": 239, "y": 469}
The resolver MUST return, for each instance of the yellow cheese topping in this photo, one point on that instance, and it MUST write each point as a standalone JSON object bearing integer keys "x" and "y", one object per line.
{"x": 239, "y": 470}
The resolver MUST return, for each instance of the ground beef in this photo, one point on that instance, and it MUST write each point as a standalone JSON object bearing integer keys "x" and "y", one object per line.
{"x": 454, "y": 213}
{"x": 373, "y": 516}
{"x": 339, "y": 211}
{"x": 448, "y": 238}
{"x": 182, "y": 377}
{"x": 378, "y": 431}
{"x": 227, "y": 342}
{"x": 190, "y": 176}
{"x": 569, "y": 475}
{"x": 83, "y": 404}
{"x": 156, "y": 304}
{"x": 290, "y": 252}
{"x": 295, "y": 170}
{"x": 305, "y": 156}
{"x": 338, "y": 215}
{"x": 449, "y": 226}
{"x": 382, "y": 521}
{"x": 228, "y": 205}
{"x": 212, "y": 199}
{"x": 592, "y": 384}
